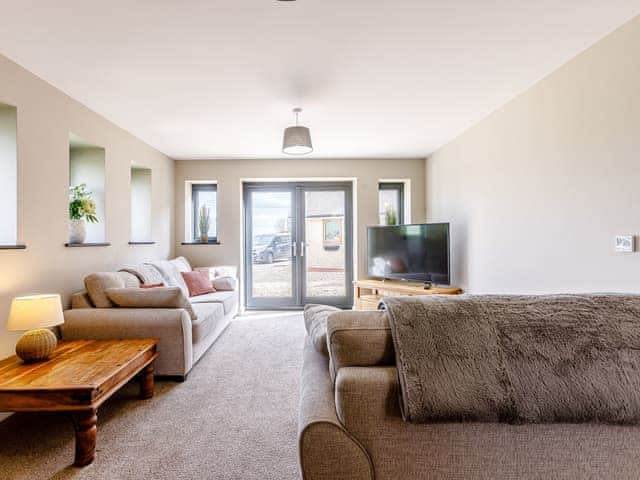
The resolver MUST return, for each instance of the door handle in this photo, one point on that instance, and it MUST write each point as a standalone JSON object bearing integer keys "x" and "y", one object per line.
{"x": 302, "y": 249}
{"x": 294, "y": 250}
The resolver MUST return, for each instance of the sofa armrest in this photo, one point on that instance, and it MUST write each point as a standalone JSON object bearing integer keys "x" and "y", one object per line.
{"x": 171, "y": 326}
{"x": 359, "y": 339}
{"x": 326, "y": 450}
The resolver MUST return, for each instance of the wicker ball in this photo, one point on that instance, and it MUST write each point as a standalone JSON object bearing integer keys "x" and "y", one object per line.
{"x": 36, "y": 345}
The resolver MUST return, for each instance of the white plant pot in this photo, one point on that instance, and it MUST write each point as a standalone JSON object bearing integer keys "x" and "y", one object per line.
{"x": 77, "y": 231}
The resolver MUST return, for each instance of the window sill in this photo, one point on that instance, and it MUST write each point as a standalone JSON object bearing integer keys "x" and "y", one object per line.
{"x": 75, "y": 245}
{"x": 15, "y": 246}
{"x": 142, "y": 243}
{"x": 210, "y": 242}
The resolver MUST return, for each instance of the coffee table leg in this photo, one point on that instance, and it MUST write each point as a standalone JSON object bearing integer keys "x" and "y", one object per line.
{"x": 146, "y": 382}
{"x": 85, "y": 425}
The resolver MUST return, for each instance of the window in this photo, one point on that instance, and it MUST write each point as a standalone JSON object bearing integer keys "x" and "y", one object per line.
{"x": 8, "y": 175}
{"x": 204, "y": 195}
{"x": 391, "y": 203}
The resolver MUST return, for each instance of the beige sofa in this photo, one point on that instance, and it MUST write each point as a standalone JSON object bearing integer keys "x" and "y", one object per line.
{"x": 183, "y": 340}
{"x": 350, "y": 426}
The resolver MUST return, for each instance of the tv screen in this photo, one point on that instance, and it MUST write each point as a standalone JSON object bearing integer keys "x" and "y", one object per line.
{"x": 409, "y": 252}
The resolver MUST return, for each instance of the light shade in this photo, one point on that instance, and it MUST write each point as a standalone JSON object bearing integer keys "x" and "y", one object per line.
{"x": 38, "y": 311}
{"x": 297, "y": 141}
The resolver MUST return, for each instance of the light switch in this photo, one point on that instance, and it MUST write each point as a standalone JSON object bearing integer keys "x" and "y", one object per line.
{"x": 625, "y": 243}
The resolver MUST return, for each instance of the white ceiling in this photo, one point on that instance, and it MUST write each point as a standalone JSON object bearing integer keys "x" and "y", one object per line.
{"x": 377, "y": 78}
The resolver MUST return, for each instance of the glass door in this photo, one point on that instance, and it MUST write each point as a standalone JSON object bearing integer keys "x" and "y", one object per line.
{"x": 326, "y": 245}
{"x": 269, "y": 242}
{"x": 298, "y": 245}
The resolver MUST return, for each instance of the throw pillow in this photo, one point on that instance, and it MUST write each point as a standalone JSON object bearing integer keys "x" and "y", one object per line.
{"x": 224, "y": 284}
{"x": 315, "y": 322}
{"x": 162, "y": 297}
{"x": 198, "y": 283}
{"x": 97, "y": 283}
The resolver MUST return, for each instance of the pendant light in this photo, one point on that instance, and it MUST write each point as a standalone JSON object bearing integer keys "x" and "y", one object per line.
{"x": 297, "y": 139}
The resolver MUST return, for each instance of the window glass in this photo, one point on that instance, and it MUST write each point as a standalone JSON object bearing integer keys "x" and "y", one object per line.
{"x": 204, "y": 199}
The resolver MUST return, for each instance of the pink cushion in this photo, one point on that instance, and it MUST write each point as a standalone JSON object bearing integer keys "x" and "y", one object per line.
{"x": 198, "y": 283}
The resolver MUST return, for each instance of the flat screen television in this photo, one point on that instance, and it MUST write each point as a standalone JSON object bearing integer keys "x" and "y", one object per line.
{"x": 418, "y": 253}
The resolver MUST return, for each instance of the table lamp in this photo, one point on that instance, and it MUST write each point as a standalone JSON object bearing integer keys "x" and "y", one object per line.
{"x": 35, "y": 314}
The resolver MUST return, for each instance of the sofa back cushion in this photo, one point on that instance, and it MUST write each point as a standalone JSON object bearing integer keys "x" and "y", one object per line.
{"x": 97, "y": 283}
{"x": 162, "y": 297}
{"x": 182, "y": 264}
{"x": 170, "y": 275}
{"x": 147, "y": 274}
{"x": 359, "y": 339}
{"x": 315, "y": 322}
{"x": 198, "y": 283}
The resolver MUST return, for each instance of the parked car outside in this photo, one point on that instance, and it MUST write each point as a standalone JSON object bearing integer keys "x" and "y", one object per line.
{"x": 268, "y": 248}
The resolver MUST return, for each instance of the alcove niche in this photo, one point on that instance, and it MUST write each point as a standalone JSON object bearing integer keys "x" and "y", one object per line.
{"x": 9, "y": 177}
{"x": 87, "y": 166}
{"x": 141, "y": 207}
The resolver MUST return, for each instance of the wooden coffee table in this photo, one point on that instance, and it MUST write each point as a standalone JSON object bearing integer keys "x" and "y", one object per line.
{"x": 78, "y": 378}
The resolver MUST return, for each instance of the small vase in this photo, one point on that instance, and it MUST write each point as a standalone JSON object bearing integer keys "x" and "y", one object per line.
{"x": 204, "y": 238}
{"x": 77, "y": 231}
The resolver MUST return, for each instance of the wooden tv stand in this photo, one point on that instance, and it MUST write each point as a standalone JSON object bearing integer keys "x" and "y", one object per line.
{"x": 368, "y": 292}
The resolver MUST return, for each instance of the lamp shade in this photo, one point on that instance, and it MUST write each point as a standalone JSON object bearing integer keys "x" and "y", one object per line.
{"x": 37, "y": 311}
{"x": 297, "y": 141}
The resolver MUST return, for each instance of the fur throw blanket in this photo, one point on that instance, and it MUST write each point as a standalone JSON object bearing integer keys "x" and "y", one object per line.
{"x": 518, "y": 359}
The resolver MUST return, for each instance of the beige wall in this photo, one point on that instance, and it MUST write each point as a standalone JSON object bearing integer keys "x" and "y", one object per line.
{"x": 230, "y": 173}
{"x": 45, "y": 118}
{"x": 537, "y": 191}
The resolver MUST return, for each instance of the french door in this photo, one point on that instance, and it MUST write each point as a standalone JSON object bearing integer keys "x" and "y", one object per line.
{"x": 298, "y": 244}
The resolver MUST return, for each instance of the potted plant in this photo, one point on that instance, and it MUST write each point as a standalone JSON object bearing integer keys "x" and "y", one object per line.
{"x": 390, "y": 215}
{"x": 204, "y": 222}
{"x": 82, "y": 209}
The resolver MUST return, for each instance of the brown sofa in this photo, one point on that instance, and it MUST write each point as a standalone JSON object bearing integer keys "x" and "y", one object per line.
{"x": 183, "y": 339}
{"x": 350, "y": 426}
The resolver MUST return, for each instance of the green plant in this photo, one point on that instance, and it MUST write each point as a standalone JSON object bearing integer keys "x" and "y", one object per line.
{"x": 204, "y": 222}
{"x": 81, "y": 205}
{"x": 390, "y": 215}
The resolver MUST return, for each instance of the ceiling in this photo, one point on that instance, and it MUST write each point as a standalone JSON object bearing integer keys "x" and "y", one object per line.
{"x": 376, "y": 78}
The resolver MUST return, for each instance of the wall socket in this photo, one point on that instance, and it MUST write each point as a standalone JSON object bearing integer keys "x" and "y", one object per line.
{"x": 625, "y": 243}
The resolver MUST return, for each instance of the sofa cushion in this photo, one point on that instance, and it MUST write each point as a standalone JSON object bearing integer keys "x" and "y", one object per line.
{"x": 209, "y": 315}
{"x": 224, "y": 284}
{"x": 182, "y": 264}
{"x": 359, "y": 339}
{"x": 170, "y": 275}
{"x": 315, "y": 321}
{"x": 229, "y": 300}
{"x": 198, "y": 283}
{"x": 81, "y": 300}
{"x": 164, "y": 297}
{"x": 147, "y": 274}
{"x": 97, "y": 283}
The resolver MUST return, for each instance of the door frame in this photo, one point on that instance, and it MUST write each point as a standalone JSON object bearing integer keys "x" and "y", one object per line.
{"x": 298, "y": 262}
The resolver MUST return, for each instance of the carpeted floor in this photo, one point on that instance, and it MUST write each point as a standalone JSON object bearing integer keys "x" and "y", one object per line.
{"x": 234, "y": 418}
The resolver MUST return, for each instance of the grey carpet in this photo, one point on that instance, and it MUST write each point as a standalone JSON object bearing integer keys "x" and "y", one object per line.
{"x": 234, "y": 418}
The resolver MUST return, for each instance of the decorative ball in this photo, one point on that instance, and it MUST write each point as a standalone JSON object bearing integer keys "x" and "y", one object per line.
{"x": 36, "y": 345}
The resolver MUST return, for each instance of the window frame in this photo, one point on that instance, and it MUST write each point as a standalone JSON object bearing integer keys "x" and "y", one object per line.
{"x": 399, "y": 187}
{"x": 195, "y": 189}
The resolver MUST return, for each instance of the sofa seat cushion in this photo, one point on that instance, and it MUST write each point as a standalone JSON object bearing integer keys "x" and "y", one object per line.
{"x": 208, "y": 316}
{"x": 229, "y": 300}
{"x": 97, "y": 284}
